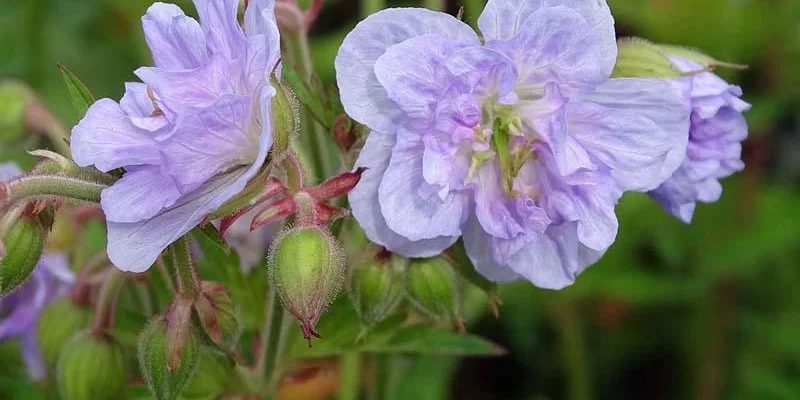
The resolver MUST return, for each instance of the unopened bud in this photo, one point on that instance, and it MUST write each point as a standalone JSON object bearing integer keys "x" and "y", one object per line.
{"x": 22, "y": 247}
{"x": 91, "y": 368}
{"x": 165, "y": 383}
{"x": 59, "y": 322}
{"x": 375, "y": 289}
{"x": 638, "y": 58}
{"x": 214, "y": 371}
{"x": 432, "y": 287}
{"x": 286, "y": 116}
{"x": 14, "y": 101}
{"x": 219, "y": 316}
{"x": 306, "y": 267}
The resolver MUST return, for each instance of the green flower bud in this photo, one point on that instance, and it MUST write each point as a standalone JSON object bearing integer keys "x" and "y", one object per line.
{"x": 306, "y": 268}
{"x": 91, "y": 368}
{"x": 376, "y": 290}
{"x": 286, "y": 115}
{"x": 23, "y": 248}
{"x": 638, "y": 58}
{"x": 153, "y": 354}
{"x": 14, "y": 101}
{"x": 213, "y": 373}
{"x": 219, "y": 316}
{"x": 432, "y": 287}
{"x": 58, "y": 323}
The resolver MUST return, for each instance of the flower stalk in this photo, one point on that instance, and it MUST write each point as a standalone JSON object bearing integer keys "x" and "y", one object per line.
{"x": 51, "y": 185}
{"x": 107, "y": 303}
{"x": 178, "y": 260}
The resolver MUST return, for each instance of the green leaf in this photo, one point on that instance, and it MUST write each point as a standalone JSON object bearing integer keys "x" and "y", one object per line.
{"x": 341, "y": 332}
{"x": 638, "y": 58}
{"x": 81, "y": 97}
{"x": 307, "y": 97}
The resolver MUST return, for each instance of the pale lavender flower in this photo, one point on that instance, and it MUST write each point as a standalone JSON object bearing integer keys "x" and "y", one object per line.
{"x": 192, "y": 134}
{"x": 19, "y": 311}
{"x": 518, "y": 141}
{"x": 716, "y": 133}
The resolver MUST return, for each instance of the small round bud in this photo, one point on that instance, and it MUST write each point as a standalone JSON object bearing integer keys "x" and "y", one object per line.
{"x": 153, "y": 354}
{"x": 213, "y": 373}
{"x": 375, "y": 289}
{"x": 23, "y": 248}
{"x": 14, "y": 100}
{"x": 432, "y": 287}
{"x": 306, "y": 268}
{"x": 59, "y": 322}
{"x": 91, "y": 368}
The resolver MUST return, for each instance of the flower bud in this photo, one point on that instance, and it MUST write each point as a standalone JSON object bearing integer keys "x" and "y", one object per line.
{"x": 91, "y": 368}
{"x": 306, "y": 268}
{"x": 219, "y": 316}
{"x": 432, "y": 287}
{"x": 376, "y": 290}
{"x": 213, "y": 374}
{"x": 153, "y": 355}
{"x": 14, "y": 100}
{"x": 22, "y": 248}
{"x": 638, "y": 58}
{"x": 59, "y": 322}
{"x": 286, "y": 115}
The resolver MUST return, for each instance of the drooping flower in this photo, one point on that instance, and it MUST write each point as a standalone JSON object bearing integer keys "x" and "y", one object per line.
{"x": 192, "y": 134}
{"x": 19, "y": 311}
{"x": 520, "y": 141}
{"x": 716, "y": 132}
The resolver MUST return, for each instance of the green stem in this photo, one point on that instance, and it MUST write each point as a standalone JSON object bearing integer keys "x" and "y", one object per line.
{"x": 314, "y": 137}
{"x": 436, "y": 5}
{"x": 472, "y": 9}
{"x": 107, "y": 302}
{"x": 573, "y": 349}
{"x": 349, "y": 376}
{"x": 179, "y": 262}
{"x": 369, "y": 7}
{"x": 381, "y": 366}
{"x": 51, "y": 185}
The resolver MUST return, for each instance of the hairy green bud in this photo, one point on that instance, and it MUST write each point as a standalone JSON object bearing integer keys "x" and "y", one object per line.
{"x": 306, "y": 267}
{"x": 14, "y": 101}
{"x": 59, "y": 322}
{"x": 375, "y": 289}
{"x": 23, "y": 248}
{"x": 219, "y": 316}
{"x": 91, "y": 368}
{"x": 214, "y": 371}
{"x": 165, "y": 384}
{"x": 432, "y": 287}
{"x": 286, "y": 115}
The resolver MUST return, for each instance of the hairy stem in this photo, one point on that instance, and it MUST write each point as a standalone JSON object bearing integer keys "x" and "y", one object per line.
{"x": 107, "y": 303}
{"x": 179, "y": 261}
{"x": 51, "y": 185}
{"x": 573, "y": 349}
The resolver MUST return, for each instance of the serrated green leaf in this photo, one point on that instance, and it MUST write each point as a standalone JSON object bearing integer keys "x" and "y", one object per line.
{"x": 80, "y": 95}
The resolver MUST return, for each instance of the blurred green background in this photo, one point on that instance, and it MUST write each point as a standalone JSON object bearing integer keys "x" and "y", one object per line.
{"x": 706, "y": 311}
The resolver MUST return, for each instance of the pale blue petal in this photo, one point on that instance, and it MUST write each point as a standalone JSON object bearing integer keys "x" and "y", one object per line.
{"x": 175, "y": 40}
{"x": 363, "y": 97}
{"x": 141, "y": 193}
{"x": 219, "y": 19}
{"x": 366, "y": 209}
{"x": 107, "y": 139}
{"x": 410, "y": 205}
{"x": 8, "y": 171}
{"x": 481, "y": 252}
{"x": 259, "y": 19}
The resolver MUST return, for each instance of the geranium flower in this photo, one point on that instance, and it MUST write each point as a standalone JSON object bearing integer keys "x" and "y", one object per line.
{"x": 192, "y": 134}
{"x": 518, "y": 141}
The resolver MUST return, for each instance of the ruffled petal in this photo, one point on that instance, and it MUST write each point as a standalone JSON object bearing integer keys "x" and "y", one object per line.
{"x": 140, "y": 194}
{"x": 375, "y": 156}
{"x": 414, "y": 75}
{"x": 639, "y": 128}
{"x": 363, "y": 97}
{"x": 220, "y": 22}
{"x": 141, "y": 109}
{"x": 556, "y": 259}
{"x": 175, "y": 40}
{"x": 107, "y": 139}
{"x": 479, "y": 248}
{"x": 259, "y": 19}
{"x": 210, "y": 141}
{"x": 410, "y": 205}
{"x": 134, "y": 247}
{"x": 557, "y": 44}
